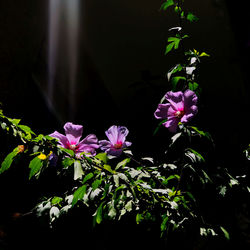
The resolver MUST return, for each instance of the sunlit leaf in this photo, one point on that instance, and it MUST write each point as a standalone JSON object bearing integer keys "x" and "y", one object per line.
{"x": 68, "y": 151}
{"x": 164, "y": 223}
{"x": 191, "y": 17}
{"x": 78, "y": 171}
{"x": 174, "y": 40}
{"x": 96, "y": 184}
{"x": 167, "y": 4}
{"x": 56, "y": 200}
{"x": 8, "y": 160}
{"x": 54, "y": 213}
{"x": 103, "y": 157}
{"x": 203, "y": 54}
{"x": 79, "y": 194}
{"x": 35, "y": 166}
{"x": 122, "y": 164}
{"x": 226, "y": 234}
{"x": 169, "y": 47}
{"x": 67, "y": 162}
{"x": 108, "y": 168}
{"x": 99, "y": 214}
{"x": 175, "y": 138}
{"x": 26, "y": 129}
{"x": 87, "y": 177}
{"x": 223, "y": 190}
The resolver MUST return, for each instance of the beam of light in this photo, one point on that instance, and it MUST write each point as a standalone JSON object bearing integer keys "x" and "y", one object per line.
{"x": 72, "y": 7}
{"x": 63, "y": 12}
{"x": 55, "y": 8}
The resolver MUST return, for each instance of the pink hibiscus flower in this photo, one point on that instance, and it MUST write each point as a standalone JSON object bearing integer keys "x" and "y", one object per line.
{"x": 117, "y": 140}
{"x": 71, "y": 139}
{"x": 181, "y": 107}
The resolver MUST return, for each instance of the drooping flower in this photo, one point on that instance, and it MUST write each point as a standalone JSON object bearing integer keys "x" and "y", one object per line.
{"x": 71, "y": 139}
{"x": 117, "y": 140}
{"x": 181, "y": 107}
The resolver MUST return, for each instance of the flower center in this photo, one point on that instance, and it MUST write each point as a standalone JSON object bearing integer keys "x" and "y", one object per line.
{"x": 118, "y": 145}
{"x": 73, "y": 147}
{"x": 179, "y": 113}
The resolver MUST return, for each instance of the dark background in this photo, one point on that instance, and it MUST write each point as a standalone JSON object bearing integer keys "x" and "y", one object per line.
{"x": 121, "y": 74}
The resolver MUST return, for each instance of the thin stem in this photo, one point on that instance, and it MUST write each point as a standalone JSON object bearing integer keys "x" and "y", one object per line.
{"x": 180, "y": 33}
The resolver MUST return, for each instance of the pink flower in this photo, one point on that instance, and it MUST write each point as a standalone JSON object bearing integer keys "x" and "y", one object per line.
{"x": 72, "y": 139}
{"x": 181, "y": 108}
{"x": 117, "y": 140}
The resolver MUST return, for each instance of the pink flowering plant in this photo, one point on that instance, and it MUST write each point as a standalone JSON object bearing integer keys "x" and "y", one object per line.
{"x": 181, "y": 108}
{"x": 71, "y": 139}
{"x": 109, "y": 179}
{"x": 117, "y": 140}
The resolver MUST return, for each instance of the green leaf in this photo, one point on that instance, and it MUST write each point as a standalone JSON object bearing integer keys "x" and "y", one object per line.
{"x": 67, "y": 162}
{"x": 175, "y": 138}
{"x": 175, "y": 176}
{"x": 8, "y": 160}
{"x": 96, "y": 184}
{"x": 194, "y": 155}
{"x": 103, "y": 157}
{"x": 68, "y": 151}
{"x": 87, "y": 177}
{"x": 223, "y": 190}
{"x": 79, "y": 194}
{"x": 164, "y": 223}
{"x": 128, "y": 206}
{"x": 78, "y": 171}
{"x": 14, "y": 121}
{"x": 112, "y": 212}
{"x": 176, "y": 68}
{"x": 191, "y": 196}
{"x": 26, "y": 129}
{"x": 108, "y": 168}
{"x": 169, "y": 47}
{"x": 99, "y": 214}
{"x": 176, "y": 79}
{"x": 191, "y": 17}
{"x": 3, "y": 125}
{"x": 203, "y": 54}
{"x": 39, "y": 138}
{"x": 167, "y": 4}
{"x": 122, "y": 164}
{"x": 175, "y": 40}
{"x": 56, "y": 200}
{"x": 193, "y": 86}
{"x": 202, "y": 133}
{"x": 226, "y": 234}
{"x": 158, "y": 127}
{"x": 139, "y": 218}
{"x": 207, "y": 178}
{"x": 35, "y": 166}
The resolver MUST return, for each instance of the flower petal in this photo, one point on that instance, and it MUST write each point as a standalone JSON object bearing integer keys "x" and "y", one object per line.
{"x": 190, "y": 99}
{"x": 73, "y": 132}
{"x": 122, "y": 133}
{"x": 191, "y": 111}
{"x": 126, "y": 144}
{"x": 114, "y": 152}
{"x": 175, "y": 99}
{"x": 88, "y": 145}
{"x": 107, "y": 147}
{"x": 104, "y": 145}
{"x": 162, "y": 111}
{"x": 112, "y": 134}
{"x": 172, "y": 124}
{"x": 63, "y": 140}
